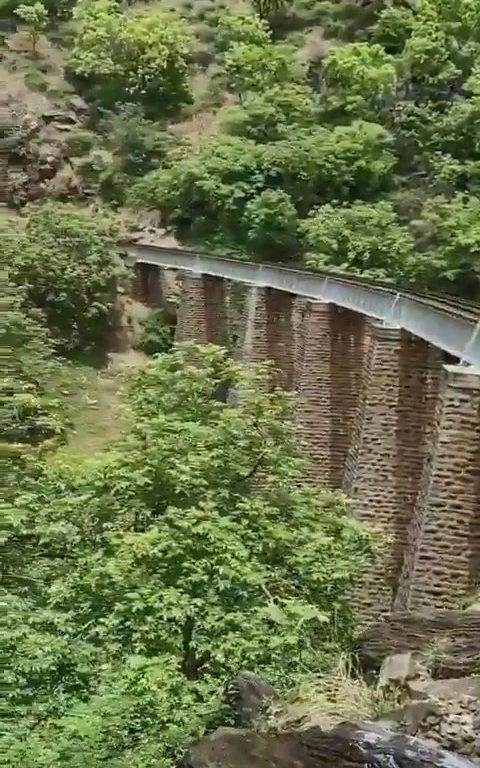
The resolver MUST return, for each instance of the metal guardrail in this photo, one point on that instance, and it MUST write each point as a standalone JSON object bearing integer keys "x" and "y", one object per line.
{"x": 442, "y": 321}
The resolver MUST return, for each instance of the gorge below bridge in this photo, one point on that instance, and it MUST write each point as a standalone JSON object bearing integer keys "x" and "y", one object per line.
{"x": 387, "y": 388}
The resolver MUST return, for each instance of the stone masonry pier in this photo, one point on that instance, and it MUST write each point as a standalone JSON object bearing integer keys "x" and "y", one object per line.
{"x": 383, "y": 415}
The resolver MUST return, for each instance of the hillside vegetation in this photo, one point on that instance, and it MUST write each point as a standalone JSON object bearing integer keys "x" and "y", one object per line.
{"x": 157, "y": 538}
{"x": 343, "y": 135}
{"x": 147, "y": 561}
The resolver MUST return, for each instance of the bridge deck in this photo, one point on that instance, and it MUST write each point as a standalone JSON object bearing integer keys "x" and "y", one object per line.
{"x": 447, "y": 323}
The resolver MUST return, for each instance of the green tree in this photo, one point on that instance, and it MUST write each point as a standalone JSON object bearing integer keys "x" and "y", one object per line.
{"x": 203, "y": 188}
{"x": 132, "y": 146}
{"x": 448, "y": 239}
{"x": 359, "y": 81}
{"x": 138, "y": 145}
{"x": 315, "y": 165}
{"x": 271, "y": 225}
{"x": 30, "y": 412}
{"x": 35, "y": 18}
{"x": 267, "y": 115}
{"x": 257, "y": 67}
{"x": 246, "y": 28}
{"x": 60, "y": 9}
{"x": 142, "y": 56}
{"x": 360, "y": 239}
{"x": 188, "y": 552}
{"x": 67, "y": 263}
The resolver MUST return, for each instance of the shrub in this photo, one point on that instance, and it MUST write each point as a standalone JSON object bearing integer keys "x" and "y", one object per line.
{"x": 157, "y": 333}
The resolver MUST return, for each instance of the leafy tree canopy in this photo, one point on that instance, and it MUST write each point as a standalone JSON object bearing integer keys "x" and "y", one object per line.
{"x": 67, "y": 264}
{"x": 30, "y": 414}
{"x": 389, "y": 115}
{"x": 204, "y": 189}
{"x": 361, "y": 239}
{"x": 141, "y": 56}
{"x": 241, "y": 28}
{"x": 187, "y": 552}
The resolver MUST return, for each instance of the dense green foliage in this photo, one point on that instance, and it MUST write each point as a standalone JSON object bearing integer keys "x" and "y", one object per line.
{"x": 341, "y": 135}
{"x": 66, "y": 261}
{"x": 139, "y": 582}
{"x": 378, "y": 133}
{"x": 157, "y": 333}
{"x": 140, "y": 57}
{"x": 374, "y": 122}
{"x": 29, "y": 410}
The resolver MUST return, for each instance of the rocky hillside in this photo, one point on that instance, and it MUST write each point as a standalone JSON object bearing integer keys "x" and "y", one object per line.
{"x": 39, "y": 112}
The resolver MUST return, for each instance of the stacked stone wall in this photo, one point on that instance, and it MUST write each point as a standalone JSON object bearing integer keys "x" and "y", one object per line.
{"x": 442, "y": 565}
{"x": 391, "y": 438}
{"x": 348, "y": 346}
{"x": 329, "y": 365}
{"x": 202, "y": 313}
{"x": 313, "y": 401}
{"x": 269, "y": 332}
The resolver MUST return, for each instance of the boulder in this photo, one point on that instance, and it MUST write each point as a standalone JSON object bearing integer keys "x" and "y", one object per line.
{"x": 447, "y": 641}
{"x": 346, "y": 746}
{"x": 79, "y": 106}
{"x": 396, "y": 670}
{"x": 247, "y": 695}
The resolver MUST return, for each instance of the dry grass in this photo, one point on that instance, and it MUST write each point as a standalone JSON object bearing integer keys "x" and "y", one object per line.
{"x": 326, "y": 701}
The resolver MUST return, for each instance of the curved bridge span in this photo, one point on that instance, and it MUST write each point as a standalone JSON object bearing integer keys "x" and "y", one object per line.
{"x": 387, "y": 403}
{"x": 447, "y": 323}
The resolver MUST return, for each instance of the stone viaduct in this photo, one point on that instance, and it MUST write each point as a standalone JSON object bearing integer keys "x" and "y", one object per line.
{"x": 388, "y": 404}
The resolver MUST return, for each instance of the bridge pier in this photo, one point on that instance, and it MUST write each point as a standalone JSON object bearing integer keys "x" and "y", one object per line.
{"x": 202, "y": 314}
{"x": 389, "y": 445}
{"x": 269, "y": 332}
{"x": 442, "y": 562}
{"x": 329, "y": 376}
{"x": 147, "y": 285}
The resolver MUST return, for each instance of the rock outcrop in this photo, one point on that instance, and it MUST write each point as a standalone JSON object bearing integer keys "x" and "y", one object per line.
{"x": 346, "y": 746}
{"x": 447, "y": 642}
{"x": 446, "y": 712}
{"x": 33, "y": 137}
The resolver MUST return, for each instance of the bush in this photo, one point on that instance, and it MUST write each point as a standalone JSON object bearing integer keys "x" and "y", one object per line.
{"x": 157, "y": 333}
{"x": 79, "y": 142}
{"x": 36, "y": 81}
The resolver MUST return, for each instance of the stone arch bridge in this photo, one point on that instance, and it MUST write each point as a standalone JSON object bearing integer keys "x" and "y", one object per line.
{"x": 388, "y": 403}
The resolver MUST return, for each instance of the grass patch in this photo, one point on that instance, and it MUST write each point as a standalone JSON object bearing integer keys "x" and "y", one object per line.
{"x": 341, "y": 695}
{"x": 93, "y": 404}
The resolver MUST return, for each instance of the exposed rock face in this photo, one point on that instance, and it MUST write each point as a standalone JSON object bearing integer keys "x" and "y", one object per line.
{"x": 33, "y": 152}
{"x": 448, "y": 642}
{"x": 347, "y": 746}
